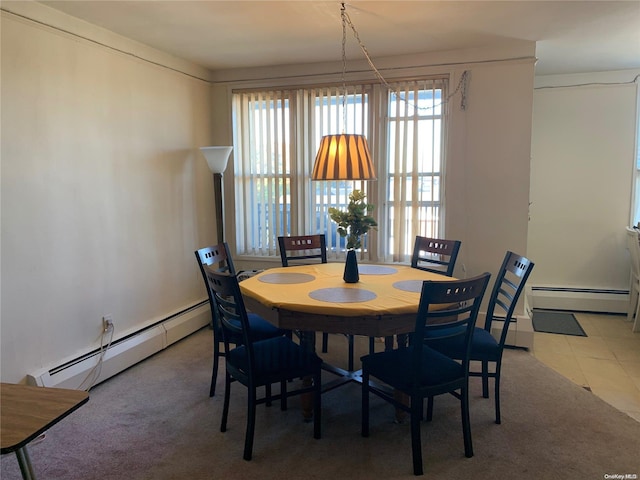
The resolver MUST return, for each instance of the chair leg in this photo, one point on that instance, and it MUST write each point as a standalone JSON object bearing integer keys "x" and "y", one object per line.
{"x": 636, "y": 322}
{"x": 416, "y": 444}
{"x": 634, "y": 301}
{"x": 251, "y": 424}
{"x": 216, "y": 363}
{"x": 388, "y": 343}
{"x": 466, "y": 422}
{"x": 267, "y": 392}
{"x": 365, "y": 404}
{"x": 429, "y": 409}
{"x": 325, "y": 342}
{"x": 225, "y": 406}
{"x": 372, "y": 345}
{"x": 496, "y": 380}
{"x": 317, "y": 410}
{"x": 485, "y": 379}
{"x": 283, "y": 395}
{"x": 350, "y": 342}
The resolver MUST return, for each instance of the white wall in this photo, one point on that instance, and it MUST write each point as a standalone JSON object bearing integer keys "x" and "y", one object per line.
{"x": 487, "y": 192}
{"x": 581, "y": 179}
{"x": 104, "y": 193}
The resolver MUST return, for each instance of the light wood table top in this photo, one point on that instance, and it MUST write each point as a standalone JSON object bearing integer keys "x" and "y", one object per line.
{"x": 315, "y": 298}
{"x": 27, "y": 411}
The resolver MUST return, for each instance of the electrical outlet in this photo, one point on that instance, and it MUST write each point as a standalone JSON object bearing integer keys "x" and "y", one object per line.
{"x": 107, "y": 323}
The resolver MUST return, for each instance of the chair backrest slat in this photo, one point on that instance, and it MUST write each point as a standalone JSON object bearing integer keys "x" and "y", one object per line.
{"x": 212, "y": 256}
{"x": 435, "y": 255}
{"x": 464, "y": 298}
{"x": 512, "y": 276}
{"x": 216, "y": 254}
{"x": 230, "y": 310}
{"x": 299, "y": 249}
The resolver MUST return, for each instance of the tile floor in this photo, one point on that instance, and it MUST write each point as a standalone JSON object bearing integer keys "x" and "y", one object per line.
{"x": 607, "y": 361}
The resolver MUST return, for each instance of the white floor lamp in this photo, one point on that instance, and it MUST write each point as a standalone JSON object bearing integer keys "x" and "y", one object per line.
{"x": 217, "y": 158}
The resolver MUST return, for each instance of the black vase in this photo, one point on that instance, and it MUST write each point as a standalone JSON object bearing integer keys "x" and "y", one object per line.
{"x": 351, "y": 274}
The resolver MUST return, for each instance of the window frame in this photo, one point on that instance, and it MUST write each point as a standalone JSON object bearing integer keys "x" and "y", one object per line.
{"x": 302, "y": 148}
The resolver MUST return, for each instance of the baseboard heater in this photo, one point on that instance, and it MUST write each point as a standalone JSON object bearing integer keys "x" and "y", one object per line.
{"x": 578, "y": 299}
{"x": 126, "y": 351}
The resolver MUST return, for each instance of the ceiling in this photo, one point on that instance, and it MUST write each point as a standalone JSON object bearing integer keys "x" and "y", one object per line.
{"x": 571, "y": 36}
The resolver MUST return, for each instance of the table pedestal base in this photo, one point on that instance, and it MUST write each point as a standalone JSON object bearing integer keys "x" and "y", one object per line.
{"x": 307, "y": 340}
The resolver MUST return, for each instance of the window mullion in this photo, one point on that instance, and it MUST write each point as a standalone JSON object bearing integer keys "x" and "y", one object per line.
{"x": 416, "y": 211}
{"x": 261, "y": 170}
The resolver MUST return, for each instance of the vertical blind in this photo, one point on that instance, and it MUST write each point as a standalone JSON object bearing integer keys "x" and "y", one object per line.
{"x": 415, "y": 164}
{"x": 277, "y": 133}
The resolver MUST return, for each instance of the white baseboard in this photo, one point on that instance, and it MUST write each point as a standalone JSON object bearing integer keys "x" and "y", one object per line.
{"x": 577, "y": 299}
{"x": 123, "y": 354}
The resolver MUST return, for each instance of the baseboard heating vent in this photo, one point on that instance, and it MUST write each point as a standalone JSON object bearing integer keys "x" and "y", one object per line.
{"x": 126, "y": 351}
{"x": 578, "y": 299}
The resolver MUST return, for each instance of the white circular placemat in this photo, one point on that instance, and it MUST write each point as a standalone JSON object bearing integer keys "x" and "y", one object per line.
{"x": 287, "y": 278}
{"x": 342, "y": 295}
{"x": 409, "y": 285}
{"x": 376, "y": 270}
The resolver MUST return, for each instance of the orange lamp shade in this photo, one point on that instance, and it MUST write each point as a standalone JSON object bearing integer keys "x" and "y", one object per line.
{"x": 343, "y": 157}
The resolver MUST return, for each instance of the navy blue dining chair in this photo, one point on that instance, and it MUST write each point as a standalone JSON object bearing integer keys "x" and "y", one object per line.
{"x": 218, "y": 257}
{"x": 485, "y": 348}
{"x": 420, "y": 372}
{"x": 256, "y": 363}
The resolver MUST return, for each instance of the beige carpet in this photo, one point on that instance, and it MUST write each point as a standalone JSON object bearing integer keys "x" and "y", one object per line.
{"x": 156, "y": 421}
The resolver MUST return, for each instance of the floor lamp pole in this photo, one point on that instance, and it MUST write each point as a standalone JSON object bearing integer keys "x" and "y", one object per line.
{"x": 217, "y": 193}
{"x": 217, "y": 161}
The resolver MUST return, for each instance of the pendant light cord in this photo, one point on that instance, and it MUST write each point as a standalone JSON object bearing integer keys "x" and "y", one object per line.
{"x": 344, "y": 16}
{"x": 346, "y": 20}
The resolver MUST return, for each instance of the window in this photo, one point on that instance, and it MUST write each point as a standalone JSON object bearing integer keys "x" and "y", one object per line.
{"x": 414, "y": 162}
{"x": 276, "y": 134}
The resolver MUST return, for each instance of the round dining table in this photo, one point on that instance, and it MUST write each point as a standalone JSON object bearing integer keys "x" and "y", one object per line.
{"x": 315, "y": 298}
